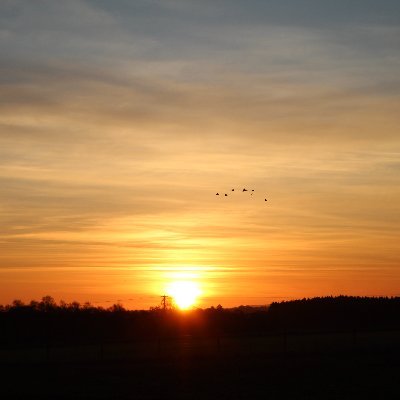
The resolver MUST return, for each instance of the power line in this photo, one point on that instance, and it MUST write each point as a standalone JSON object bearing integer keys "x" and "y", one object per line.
{"x": 164, "y": 301}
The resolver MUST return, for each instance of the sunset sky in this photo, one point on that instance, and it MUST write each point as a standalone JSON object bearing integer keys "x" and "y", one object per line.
{"x": 120, "y": 121}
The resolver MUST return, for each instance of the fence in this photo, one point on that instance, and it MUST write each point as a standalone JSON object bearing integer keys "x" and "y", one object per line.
{"x": 195, "y": 346}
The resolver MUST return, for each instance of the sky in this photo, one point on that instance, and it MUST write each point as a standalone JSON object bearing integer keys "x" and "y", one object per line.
{"x": 120, "y": 121}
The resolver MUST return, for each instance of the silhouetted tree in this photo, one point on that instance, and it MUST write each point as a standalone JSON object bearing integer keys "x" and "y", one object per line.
{"x": 40, "y": 322}
{"x": 47, "y": 304}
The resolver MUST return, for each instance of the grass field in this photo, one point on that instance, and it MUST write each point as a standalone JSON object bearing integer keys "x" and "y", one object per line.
{"x": 312, "y": 366}
{"x": 299, "y": 343}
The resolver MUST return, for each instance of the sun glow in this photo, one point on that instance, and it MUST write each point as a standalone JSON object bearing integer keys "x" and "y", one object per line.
{"x": 184, "y": 293}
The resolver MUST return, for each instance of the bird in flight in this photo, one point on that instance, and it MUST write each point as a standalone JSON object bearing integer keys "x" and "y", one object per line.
{"x": 252, "y": 191}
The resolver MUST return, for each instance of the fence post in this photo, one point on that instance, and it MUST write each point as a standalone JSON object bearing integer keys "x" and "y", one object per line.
{"x": 47, "y": 351}
{"x": 354, "y": 339}
{"x": 101, "y": 351}
{"x": 285, "y": 342}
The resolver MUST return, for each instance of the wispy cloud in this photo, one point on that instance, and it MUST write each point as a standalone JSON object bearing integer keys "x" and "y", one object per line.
{"x": 119, "y": 122}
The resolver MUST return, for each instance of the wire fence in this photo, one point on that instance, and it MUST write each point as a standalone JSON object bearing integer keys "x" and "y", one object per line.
{"x": 273, "y": 344}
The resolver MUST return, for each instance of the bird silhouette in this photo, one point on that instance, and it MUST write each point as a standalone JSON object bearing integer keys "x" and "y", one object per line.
{"x": 252, "y": 191}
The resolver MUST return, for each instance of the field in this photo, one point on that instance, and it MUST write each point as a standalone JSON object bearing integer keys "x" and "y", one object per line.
{"x": 341, "y": 365}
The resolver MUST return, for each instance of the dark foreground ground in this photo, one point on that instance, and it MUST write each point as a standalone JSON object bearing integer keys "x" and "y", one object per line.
{"x": 334, "y": 366}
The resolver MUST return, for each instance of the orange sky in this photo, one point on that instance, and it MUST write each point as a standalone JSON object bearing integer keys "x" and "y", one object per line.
{"x": 119, "y": 123}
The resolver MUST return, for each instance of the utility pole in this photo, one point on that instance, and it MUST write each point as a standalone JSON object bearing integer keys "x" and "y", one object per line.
{"x": 164, "y": 301}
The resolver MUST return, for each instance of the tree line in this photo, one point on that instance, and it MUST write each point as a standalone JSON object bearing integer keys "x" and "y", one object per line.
{"x": 45, "y": 321}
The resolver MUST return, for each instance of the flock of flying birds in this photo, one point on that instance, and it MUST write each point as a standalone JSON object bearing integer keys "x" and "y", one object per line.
{"x": 243, "y": 190}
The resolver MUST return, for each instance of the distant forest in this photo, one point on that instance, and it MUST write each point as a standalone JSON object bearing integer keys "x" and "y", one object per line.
{"x": 45, "y": 321}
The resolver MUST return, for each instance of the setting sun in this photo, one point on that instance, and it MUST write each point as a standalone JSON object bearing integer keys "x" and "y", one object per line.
{"x": 184, "y": 293}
